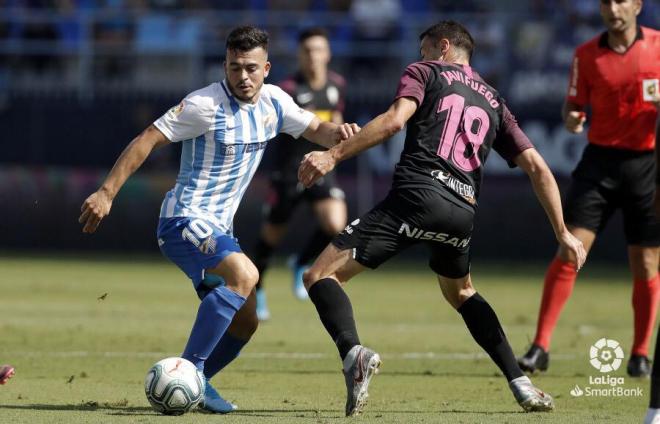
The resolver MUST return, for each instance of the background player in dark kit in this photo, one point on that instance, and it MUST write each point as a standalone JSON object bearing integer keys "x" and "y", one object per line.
{"x": 317, "y": 89}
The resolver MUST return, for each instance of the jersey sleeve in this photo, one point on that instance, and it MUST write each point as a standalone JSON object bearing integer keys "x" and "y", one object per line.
{"x": 413, "y": 82}
{"x": 189, "y": 119}
{"x": 510, "y": 140}
{"x": 578, "y": 88}
{"x": 293, "y": 119}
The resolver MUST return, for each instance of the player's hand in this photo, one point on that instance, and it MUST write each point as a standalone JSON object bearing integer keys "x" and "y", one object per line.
{"x": 574, "y": 247}
{"x": 575, "y": 121}
{"x": 346, "y": 131}
{"x": 315, "y": 165}
{"x": 94, "y": 209}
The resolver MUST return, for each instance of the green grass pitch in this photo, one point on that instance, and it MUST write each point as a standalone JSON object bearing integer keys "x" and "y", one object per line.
{"x": 82, "y": 333}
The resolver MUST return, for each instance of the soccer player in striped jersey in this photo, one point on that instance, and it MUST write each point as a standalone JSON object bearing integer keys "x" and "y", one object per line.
{"x": 224, "y": 129}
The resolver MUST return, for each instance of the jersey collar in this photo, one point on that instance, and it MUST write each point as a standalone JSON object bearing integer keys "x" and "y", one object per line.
{"x": 602, "y": 41}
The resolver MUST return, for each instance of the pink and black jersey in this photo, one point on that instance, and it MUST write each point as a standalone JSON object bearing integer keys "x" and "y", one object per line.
{"x": 458, "y": 120}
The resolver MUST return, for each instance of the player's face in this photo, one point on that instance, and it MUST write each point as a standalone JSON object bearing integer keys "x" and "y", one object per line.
{"x": 619, "y": 15}
{"x": 246, "y": 72}
{"x": 314, "y": 53}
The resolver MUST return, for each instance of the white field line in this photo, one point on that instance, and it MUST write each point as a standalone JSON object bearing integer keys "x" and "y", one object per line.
{"x": 406, "y": 356}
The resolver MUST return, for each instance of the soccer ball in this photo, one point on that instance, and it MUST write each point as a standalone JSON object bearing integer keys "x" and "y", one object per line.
{"x": 174, "y": 386}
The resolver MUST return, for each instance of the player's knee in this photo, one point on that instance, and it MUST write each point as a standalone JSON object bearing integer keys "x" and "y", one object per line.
{"x": 246, "y": 277}
{"x": 565, "y": 255}
{"x": 310, "y": 277}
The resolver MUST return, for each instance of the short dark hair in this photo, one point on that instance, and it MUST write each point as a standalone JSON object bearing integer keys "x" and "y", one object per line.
{"x": 456, "y": 33}
{"x": 246, "y": 38}
{"x": 312, "y": 32}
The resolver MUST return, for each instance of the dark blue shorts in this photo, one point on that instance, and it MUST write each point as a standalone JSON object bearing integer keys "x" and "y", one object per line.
{"x": 195, "y": 245}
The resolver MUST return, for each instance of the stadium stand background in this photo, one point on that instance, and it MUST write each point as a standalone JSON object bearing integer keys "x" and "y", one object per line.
{"x": 79, "y": 79}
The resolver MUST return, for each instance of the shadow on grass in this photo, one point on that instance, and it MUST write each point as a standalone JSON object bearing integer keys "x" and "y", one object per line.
{"x": 86, "y": 406}
{"x": 273, "y": 413}
{"x": 388, "y": 373}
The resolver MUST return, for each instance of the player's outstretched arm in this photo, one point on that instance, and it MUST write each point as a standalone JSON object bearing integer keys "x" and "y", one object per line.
{"x": 328, "y": 134}
{"x": 547, "y": 192}
{"x": 316, "y": 164}
{"x": 97, "y": 205}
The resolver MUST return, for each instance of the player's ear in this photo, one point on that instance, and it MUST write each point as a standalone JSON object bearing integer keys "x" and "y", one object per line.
{"x": 638, "y": 6}
{"x": 266, "y": 69}
{"x": 443, "y": 45}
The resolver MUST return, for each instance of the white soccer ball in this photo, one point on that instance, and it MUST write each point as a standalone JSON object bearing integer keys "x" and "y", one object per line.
{"x": 174, "y": 386}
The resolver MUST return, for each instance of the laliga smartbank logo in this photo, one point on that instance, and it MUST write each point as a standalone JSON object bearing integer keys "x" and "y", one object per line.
{"x": 606, "y": 355}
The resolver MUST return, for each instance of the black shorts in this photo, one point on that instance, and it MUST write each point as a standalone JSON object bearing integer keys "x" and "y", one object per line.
{"x": 407, "y": 217}
{"x": 607, "y": 179}
{"x": 286, "y": 194}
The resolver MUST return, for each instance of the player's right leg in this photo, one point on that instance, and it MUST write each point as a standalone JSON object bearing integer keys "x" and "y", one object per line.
{"x": 203, "y": 251}
{"x": 486, "y": 330}
{"x": 366, "y": 242}
{"x": 6, "y": 372}
{"x": 588, "y": 206}
{"x": 557, "y": 289}
{"x": 323, "y": 281}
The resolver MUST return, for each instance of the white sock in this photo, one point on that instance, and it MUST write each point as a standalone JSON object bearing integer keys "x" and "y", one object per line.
{"x": 652, "y": 416}
{"x": 350, "y": 357}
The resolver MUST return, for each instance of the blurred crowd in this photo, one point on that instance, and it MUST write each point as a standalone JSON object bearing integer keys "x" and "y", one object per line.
{"x": 58, "y": 40}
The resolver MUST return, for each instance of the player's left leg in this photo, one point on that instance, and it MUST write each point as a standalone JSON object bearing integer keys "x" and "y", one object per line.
{"x": 486, "y": 330}
{"x": 242, "y": 327}
{"x": 323, "y": 280}
{"x": 646, "y": 293}
{"x": 366, "y": 242}
{"x": 642, "y": 231}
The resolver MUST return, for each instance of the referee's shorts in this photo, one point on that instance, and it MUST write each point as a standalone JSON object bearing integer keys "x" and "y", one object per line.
{"x": 607, "y": 179}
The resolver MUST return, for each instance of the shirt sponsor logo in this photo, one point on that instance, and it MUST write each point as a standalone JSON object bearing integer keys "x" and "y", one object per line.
{"x": 233, "y": 149}
{"x": 445, "y": 238}
{"x": 462, "y": 189}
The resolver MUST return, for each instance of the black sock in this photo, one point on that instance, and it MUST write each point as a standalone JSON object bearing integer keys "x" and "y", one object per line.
{"x": 261, "y": 257}
{"x": 487, "y": 332}
{"x": 314, "y": 247}
{"x": 336, "y": 313}
{"x": 654, "y": 402}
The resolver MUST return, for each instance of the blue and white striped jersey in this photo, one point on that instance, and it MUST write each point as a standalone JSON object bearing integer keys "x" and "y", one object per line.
{"x": 223, "y": 142}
